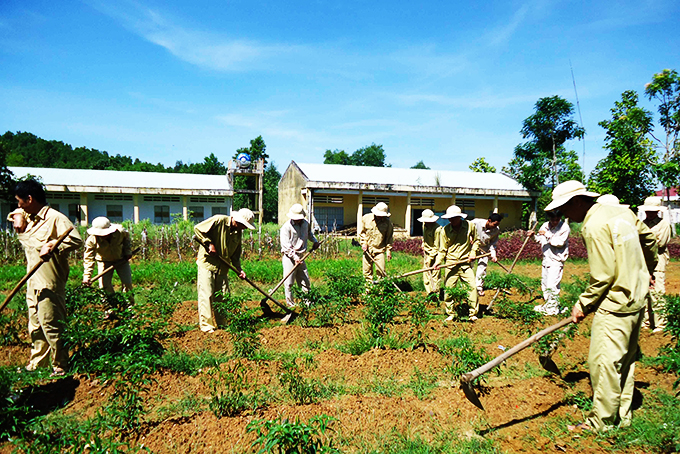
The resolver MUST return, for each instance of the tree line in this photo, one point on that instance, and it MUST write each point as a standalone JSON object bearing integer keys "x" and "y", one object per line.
{"x": 23, "y": 149}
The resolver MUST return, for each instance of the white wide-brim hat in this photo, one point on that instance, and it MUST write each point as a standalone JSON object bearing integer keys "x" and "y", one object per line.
{"x": 652, "y": 203}
{"x": 454, "y": 212}
{"x": 428, "y": 216}
{"x": 610, "y": 199}
{"x": 566, "y": 191}
{"x": 101, "y": 226}
{"x": 296, "y": 212}
{"x": 244, "y": 216}
{"x": 380, "y": 210}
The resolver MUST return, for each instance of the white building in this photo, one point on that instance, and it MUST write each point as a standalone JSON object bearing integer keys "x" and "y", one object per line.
{"x": 82, "y": 195}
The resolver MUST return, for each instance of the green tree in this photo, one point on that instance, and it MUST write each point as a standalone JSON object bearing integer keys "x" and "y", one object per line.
{"x": 270, "y": 199}
{"x": 420, "y": 165}
{"x": 258, "y": 150}
{"x": 6, "y": 177}
{"x": 336, "y": 157}
{"x": 480, "y": 165}
{"x": 625, "y": 171}
{"x": 547, "y": 130}
{"x": 665, "y": 88}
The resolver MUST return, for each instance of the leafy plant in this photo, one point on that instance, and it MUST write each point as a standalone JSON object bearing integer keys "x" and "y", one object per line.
{"x": 302, "y": 390}
{"x": 11, "y": 324}
{"x": 241, "y": 322}
{"x": 322, "y": 310}
{"x": 286, "y": 437}
{"x": 422, "y": 384}
{"x": 227, "y": 392}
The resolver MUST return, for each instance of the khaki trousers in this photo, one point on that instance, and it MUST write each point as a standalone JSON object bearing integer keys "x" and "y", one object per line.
{"x": 367, "y": 266}
{"x": 463, "y": 273}
{"x": 124, "y": 273}
{"x": 430, "y": 278}
{"x": 46, "y": 323}
{"x": 613, "y": 349}
{"x": 208, "y": 283}
{"x": 300, "y": 276}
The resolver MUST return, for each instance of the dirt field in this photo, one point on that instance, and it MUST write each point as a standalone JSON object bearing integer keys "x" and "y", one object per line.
{"x": 526, "y": 408}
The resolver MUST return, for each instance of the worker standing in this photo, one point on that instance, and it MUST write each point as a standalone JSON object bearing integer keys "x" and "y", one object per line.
{"x": 294, "y": 236}
{"x": 621, "y": 256}
{"x": 430, "y": 240}
{"x": 654, "y": 219}
{"x": 553, "y": 236}
{"x": 458, "y": 242}
{"x": 220, "y": 236}
{"x": 487, "y": 232}
{"x": 46, "y": 289}
{"x": 376, "y": 237}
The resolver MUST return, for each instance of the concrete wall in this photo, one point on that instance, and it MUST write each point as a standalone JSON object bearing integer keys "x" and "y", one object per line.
{"x": 290, "y": 192}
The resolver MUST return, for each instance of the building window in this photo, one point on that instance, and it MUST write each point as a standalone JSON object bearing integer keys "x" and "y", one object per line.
{"x": 127, "y": 198}
{"x": 196, "y": 213}
{"x": 370, "y": 200}
{"x": 328, "y": 199}
{"x": 74, "y": 213}
{"x": 206, "y": 199}
{"x": 161, "y": 214}
{"x": 114, "y": 213}
{"x": 161, "y": 198}
{"x": 418, "y": 202}
{"x": 329, "y": 218}
{"x": 219, "y": 210}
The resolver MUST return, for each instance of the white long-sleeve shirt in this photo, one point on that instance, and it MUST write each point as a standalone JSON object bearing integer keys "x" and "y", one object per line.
{"x": 294, "y": 238}
{"x": 554, "y": 242}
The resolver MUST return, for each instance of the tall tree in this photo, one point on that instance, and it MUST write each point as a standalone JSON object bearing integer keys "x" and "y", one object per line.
{"x": 336, "y": 157}
{"x": 420, "y": 165}
{"x": 547, "y": 130}
{"x": 258, "y": 150}
{"x": 665, "y": 88}
{"x": 480, "y": 165}
{"x": 625, "y": 171}
{"x": 6, "y": 176}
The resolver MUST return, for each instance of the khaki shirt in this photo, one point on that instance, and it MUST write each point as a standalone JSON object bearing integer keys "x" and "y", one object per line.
{"x": 47, "y": 225}
{"x": 622, "y": 253}
{"x": 456, "y": 245}
{"x": 294, "y": 238}
{"x": 662, "y": 232}
{"x": 217, "y": 230}
{"x": 431, "y": 232}
{"x": 110, "y": 248}
{"x": 487, "y": 237}
{"x": 378, "y": 237}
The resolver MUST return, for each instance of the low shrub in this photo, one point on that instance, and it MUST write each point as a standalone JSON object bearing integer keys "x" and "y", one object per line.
{"x": 303, "y": 391}
{"x": 284, "y": 436}
{"x": 319, "y": 309}
{"x": 228, "y": 395}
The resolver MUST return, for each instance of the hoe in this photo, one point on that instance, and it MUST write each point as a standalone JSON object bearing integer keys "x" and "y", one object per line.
{"x": 108, "y": 269}
{"x": 466, "y": 379}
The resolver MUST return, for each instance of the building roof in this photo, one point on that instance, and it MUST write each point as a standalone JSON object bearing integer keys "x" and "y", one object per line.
{"x": 125, "y": 182}
{"x": 672, "y": 193}
{"x": 399, "y": 179}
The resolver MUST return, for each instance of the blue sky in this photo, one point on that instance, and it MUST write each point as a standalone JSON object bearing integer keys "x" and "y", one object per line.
{"x": 440, "y": 81}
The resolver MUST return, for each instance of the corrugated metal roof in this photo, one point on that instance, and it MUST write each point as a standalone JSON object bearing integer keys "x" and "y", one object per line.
{"x": 410, "y": 177}
{"x": 125, "y": 179}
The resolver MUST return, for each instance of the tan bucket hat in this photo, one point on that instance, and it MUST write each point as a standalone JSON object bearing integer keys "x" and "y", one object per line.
{"x": 428, "y": 216}
{"x": 101, "y": 226}
{"x": 454, "y": 212}
{"x": 566, "y": 191}
{"x": 652, "y": 203}
{"x": 380, "y": 210}
{"x": 296, "y": 212}
{"x": 610, "y": 199}
{"x": 244, "y": 216}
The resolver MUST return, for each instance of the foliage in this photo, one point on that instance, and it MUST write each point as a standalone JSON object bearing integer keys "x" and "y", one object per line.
{"x": 669, "y": 355}
{"x": 344, "y": 280}
{"x": 372, "y": 155}
{"x": 240, "y": 321}
{"x": 420, "y": 165}
{"x": 126, "y": 406}
{"x": 458, "y": 296}
{"x": 548, "y": 129}
{"x": 510, "y": 243}
{"x": 465, "y": 356}
{"x": 625, "y": 171}
{"x": 11, "y": 323}
{"x": 321, "y": 309}
{"x": 480, "y": 165}
{"x": 6, "y": 176}
{"x": 189, "y": 363}
{"x": 228, "y": 397}
{"x": 383, "y": 303}
{"x": 302, "y": 390}
{"x": 286, "y": 437}
{"x": 422, "y": 384}
{"x": 447, "y": 443}
{"x": 665, "y": 88}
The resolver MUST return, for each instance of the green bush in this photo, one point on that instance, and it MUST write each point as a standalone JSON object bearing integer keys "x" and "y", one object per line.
{"x": 12, "y": 323}
{"x": 319, "y": 309}
{"x": 228, "y": 395}
{"x": 344, "y": 279}
{"x": 303, "y": 391}
{"x": 287, "y": 437}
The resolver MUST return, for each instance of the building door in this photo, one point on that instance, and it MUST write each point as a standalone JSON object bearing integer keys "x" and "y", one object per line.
{"x": 416, "y": 227}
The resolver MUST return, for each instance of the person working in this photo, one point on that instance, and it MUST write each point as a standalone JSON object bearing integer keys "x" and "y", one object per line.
{"x": 487, "y": 233}
{"x": 108, "y": 245}
{"x": 376, "y": 237}
{"x": 294, "y": 236}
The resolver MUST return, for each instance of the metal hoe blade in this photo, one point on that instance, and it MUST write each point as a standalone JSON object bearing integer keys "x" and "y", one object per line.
{"x": 470, "y": 393}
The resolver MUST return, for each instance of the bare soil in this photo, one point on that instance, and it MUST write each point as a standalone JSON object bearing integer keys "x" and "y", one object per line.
{"x": 525, "y": 407}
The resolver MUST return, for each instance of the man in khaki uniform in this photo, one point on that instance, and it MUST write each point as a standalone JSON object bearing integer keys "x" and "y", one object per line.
{"x": 220, "y": 236}
{"x": 430, "y": 240}
{"x": 458, "y": 242}
{"x": 487, "y": 232}
{"x": 621, "y": 256}
{"x": 46, "y": 289}
{"x": 108, "y": 244}
{"x": 294, "y": 236}
{"x": 653, "y": 218}
{"x": 376, "y": 237}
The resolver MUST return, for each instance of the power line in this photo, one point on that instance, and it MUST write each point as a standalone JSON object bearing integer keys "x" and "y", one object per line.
{"x": 578, "y": 106}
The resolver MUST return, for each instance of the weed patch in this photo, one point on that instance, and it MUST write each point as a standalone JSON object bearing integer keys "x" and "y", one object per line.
{"x": 284, "y": 436}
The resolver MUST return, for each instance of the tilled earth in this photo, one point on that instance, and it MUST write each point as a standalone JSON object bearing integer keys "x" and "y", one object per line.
{"x": 526, "y": 409}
